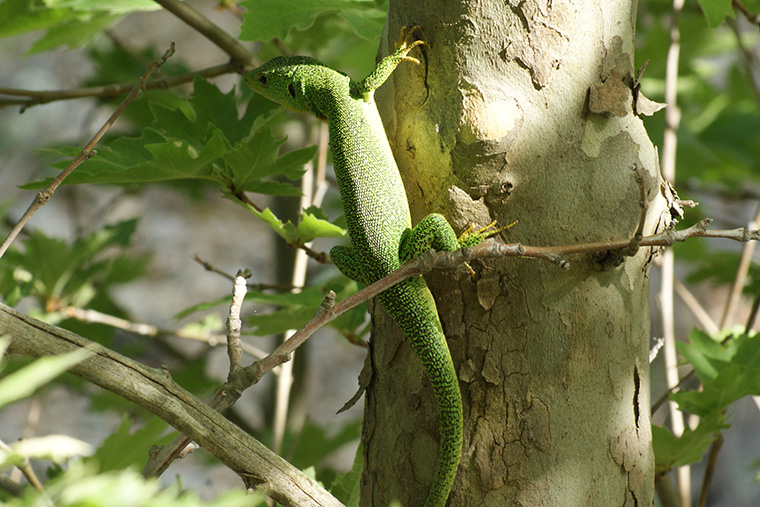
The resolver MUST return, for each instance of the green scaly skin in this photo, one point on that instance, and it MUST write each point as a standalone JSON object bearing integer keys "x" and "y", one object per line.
{"x": 379, "y": 223}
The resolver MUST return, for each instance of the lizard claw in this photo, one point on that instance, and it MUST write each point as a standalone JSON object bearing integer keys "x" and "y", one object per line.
{"x": 407, "y": 42}
{"x": 472, "y": 237}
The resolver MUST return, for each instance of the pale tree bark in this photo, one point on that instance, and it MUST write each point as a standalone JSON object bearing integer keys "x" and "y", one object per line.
{"x": 522, "y": 111}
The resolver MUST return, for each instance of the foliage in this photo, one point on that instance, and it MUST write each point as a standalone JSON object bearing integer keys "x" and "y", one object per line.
{"x": 231, "y": 142}
{"x": 727, "y": 373}
{"x": 70, "y": 22}
{"x": 719, "y": 122}
{"x": 124, "y": 449}
{"x": 268, "y": 19}
{"x": 58, "y": 275}
{"x": 82, "y": 485}
{"x": 24, "y": 382}
{"x": 346, "y": 487}
{"x": 107, "y": 477}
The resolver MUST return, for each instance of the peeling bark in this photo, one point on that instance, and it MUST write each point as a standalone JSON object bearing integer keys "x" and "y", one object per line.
{"x": 529, "y": 116}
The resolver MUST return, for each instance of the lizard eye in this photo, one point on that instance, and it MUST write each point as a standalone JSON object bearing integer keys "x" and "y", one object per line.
{"x": 263, "y": 80}
{"x": 292, "y": 90}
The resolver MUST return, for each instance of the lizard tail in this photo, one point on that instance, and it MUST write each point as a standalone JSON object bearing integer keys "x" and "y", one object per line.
{"x": 412, "y": 306}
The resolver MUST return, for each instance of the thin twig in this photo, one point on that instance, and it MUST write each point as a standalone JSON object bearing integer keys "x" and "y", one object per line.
{"x": 28, "y": 472}
{"x": 155, "y": 390}
{"x": 751, "y": 16}
{"x": 251, "y": 286}
{"x": 752, "y": 314}
{"x": 741, "y": 275}
{"x": 44, "y": 196}
{"x": 320, "y": 176}
{"x": 298, "y": 278}
{"x": 635, "y": 242}
{"x": 712, "y": 458}
{"x": 557, "y": 254}
{"x": 447, "y": 260}
{"x": 36, "y": 97}
{"x": 750, "y": 61}
{"x": 748, "y": 327}
{"x": 94, "y": 316}
{"x": 231, "y": 391}
{"x": 662, "y": 399}
{"x": 668, "y": 165}
{"x": 696, "y": 309}
{"x": 320, "y": 257}
{"x": 328, "y": 311}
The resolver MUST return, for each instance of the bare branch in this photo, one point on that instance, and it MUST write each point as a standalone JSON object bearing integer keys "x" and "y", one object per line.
{"x": 697, "y": 310}
{"x": 741, "y": 275}
{"x": 712, "y": 458}
{"x": 35, "y": 97}
{"x": 142, "y": 329}
{"x": 155, "y": 391}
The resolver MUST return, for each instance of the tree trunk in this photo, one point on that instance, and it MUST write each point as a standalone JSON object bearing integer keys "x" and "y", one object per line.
{"x": 522, "y": 111}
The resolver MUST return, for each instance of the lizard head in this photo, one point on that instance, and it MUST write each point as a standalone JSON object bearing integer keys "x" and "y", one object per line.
{"x": 289, "y": 80}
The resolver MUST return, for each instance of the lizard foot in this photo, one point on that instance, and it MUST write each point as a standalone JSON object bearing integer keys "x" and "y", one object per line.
{"x": 407, "y": 42}
{"x": 472, "y": 237}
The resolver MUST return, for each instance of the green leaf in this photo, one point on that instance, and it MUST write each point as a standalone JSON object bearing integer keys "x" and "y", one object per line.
{"x": 705, "y": 354}
{"x": 69, "y": 22}
{"x": 728, "y": 372}
{"x": 346, "y": 487}
{"x": 367, "y": 23}
{"x": 74, "y": 274}
{"x": 310, "y": 226}
{"x": 53, "y": 447}
{"x": 199, "y": 138}
{"x": 254, "y": 161}
{"x": 111, "y": 6}
{"x": 203, "y": 306}
{"x": 345, "y": 40}
{"x": 24, "y": 382}
{"x": 733, "y": 383}
{"x": 19, "y": 16}
{"x": 123, "y": 449}
{"x": 269, "y": 19}
{"x": 298, "y": 308}
{"x": 74, "y": 32}
{"x": 716, "y": 11}
{"x": 671, "y": 451}
{"x": 315, "y": 442}
{"x": 81, "y": 485}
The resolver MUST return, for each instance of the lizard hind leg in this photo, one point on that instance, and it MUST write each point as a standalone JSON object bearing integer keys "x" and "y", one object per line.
{"x": 434, "y": 232}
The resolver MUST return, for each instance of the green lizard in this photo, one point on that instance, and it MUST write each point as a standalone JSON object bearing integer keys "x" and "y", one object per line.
{"x": 378, "y": 218}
